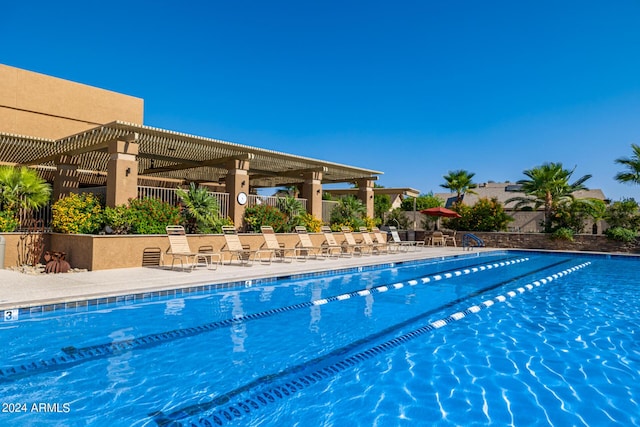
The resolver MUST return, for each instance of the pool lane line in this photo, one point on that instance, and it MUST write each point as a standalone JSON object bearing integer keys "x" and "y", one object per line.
{"x": 73, "y": 356}
{"x": 164, "y": 420}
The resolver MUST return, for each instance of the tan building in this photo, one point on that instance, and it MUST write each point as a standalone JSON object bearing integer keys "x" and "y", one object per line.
{"x": 80, "y": 136}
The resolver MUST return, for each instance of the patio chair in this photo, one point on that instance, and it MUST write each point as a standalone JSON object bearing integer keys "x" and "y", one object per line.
{"x": 450, "y": 238}
{"x": 375, "y": 246}
{"x": 406, "y": 244}
{"x": 331, "y": 246}
{"x": 271, "y": 242}
{"x": 360, "y": 248}
{"x": 392, "y": 247}
{"x": 179, "y": 250}
{"x": 236, "y": 250}
{"x": 437, "y": 238}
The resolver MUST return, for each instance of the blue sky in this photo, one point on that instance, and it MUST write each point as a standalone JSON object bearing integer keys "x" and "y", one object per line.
{"x": 411, "y": 88}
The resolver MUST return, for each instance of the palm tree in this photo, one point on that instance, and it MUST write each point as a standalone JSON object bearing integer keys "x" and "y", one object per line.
{"x": 22, "y": 188}
{"x": 459, "y": 182}
{"x": 201, "y": 209}
{"x": 548, "y": 185}
{"x": 632, "y": 176}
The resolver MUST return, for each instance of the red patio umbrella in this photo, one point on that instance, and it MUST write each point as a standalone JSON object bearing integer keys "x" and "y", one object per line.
{"x": 440, "y": 212}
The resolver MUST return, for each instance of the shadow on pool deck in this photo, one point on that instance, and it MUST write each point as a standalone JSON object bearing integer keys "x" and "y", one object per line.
{"x": 22, "y": 290}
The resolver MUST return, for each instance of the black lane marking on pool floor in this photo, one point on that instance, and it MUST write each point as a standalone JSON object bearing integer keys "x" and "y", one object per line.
{"x": 323, "y": 367}
{"x": 73, "y": 356}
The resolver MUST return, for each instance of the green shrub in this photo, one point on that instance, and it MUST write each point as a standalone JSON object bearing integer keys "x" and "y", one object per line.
{"x": 621, "y": 234}
{"x": 563, "y": 233}
{"x": 151, "y": 216}
{"x": 8, "y": 222}
{"x": 77, "y": 214}
{"x": 117, "y": 219}
{"x": 259, "y": 215}
{"x": 623, "y": 214}
{"x": 485, "y": 215}
{"x": 349, "y": 212}
{"x": 397, "y": 219}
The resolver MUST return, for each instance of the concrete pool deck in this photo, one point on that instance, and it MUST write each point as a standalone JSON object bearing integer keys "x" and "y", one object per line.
{"x": 19, "y": 290}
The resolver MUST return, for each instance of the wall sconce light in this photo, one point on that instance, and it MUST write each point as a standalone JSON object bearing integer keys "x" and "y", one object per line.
{"x": 242, "y": 184}
{"x": 371, "y": 197}
{"x": 127, "y": 172}
{"x": 317, "y": 191}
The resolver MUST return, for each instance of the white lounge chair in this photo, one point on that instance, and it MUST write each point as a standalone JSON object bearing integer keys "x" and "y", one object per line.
{"x": 406, "y": 244}
{"x": 179, "y": 250}
{"x": 359, "y": 248}
{"x": 305, "y": 247}
{"x": 331, "y": 246}
{"x": 376, "y": 247}
{"x": 236, "y": 250}
{"x": 271, "y": 242}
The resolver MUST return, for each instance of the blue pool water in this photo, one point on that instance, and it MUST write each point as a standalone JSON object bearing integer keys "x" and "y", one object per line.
{"x": 504, "y": 338}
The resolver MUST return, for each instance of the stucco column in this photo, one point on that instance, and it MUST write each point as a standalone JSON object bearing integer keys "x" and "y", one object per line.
{"x": 122, "y": 171}
{"x": 237, "y": 181}
{"x": 312, "y": 191}
{"x": 365, "y": 194}
{"x": 66, "y": 177}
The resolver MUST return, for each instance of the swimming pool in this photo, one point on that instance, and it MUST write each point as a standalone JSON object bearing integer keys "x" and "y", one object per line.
{"x": 509, "y": 338}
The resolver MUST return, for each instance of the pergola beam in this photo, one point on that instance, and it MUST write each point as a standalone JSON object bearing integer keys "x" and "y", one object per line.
{"x": 182, "y": 164}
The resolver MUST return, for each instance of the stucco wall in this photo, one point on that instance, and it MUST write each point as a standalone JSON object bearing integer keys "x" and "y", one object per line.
{"x": 581, "y": 242}
{"x": 11, "y": 249}
{"x": 107, "y": 252}
{"x": 38, "y": 105}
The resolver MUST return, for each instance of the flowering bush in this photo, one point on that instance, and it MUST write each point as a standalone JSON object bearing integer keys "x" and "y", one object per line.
{"x": 369, "y": 222}
{"x": 310, "y": 222}
{"x": 8, "y": 222}
{"x": 77, "y": 214}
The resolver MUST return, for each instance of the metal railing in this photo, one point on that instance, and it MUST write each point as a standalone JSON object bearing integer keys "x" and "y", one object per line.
{"x": 274, "y": 201}
{"x": 170, "y": 196}
{"x": 43, "y": 214}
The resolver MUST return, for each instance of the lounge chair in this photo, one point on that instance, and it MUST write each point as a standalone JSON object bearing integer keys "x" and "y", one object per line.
{"x": 331, "y": 246}
{"x": 406, "y": 244}
{"x": 360, "y": 248}
{"x": 271, "y": 242}
{"x": 306, "y": 247}
{"x": 437, "y": 238}
{"x": 391, "y": 246}
{"x": 179, "y": 250}
{"x": 236, "y": 250}
{"x": 375, "y": 246}
{"x": 450, "y": 238}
